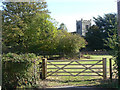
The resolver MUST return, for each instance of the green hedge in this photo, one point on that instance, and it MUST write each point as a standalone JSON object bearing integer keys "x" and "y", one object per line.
{"x": 19, "y": 70}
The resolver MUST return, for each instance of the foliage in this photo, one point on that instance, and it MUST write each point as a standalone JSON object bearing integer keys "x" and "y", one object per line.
{"x": 41, "y": 34}
{"x": 109, "y": 21}
{"x": 28, "y": 28}
{"x": 70, "y": 43}
{"x": 107, "y": 37}
{"x": 93, "y": 37}
{"x": 114, "y": 45}
{"x": 17, "y": 70}
{"x": 16, "y": 18}
{"x": 63, "y": 27}
{"x": 112, "y": 42}
{"x": 106, "y": 26}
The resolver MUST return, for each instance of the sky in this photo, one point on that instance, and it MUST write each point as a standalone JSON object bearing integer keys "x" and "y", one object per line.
{"x": 68, "y": 11}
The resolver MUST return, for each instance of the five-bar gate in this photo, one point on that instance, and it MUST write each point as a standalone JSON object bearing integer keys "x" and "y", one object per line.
{"x": 74, "y": 68}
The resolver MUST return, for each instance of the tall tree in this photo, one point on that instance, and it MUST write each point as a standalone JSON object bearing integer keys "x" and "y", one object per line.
{"x": 41, "y": 35}
{"x": 106, "y": 25}
{"x": 16, "y": 18}
{"x": 112, "y": 42}
{"x": 93, "y": 37}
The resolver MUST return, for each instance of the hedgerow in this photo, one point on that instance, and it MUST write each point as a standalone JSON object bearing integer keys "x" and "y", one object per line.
{"x": 18, "y": 71}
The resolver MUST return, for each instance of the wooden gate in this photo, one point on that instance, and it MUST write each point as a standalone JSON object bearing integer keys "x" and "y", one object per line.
{"x": 74, "y": 68}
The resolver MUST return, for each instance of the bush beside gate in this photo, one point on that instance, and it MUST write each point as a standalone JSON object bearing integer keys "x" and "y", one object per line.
{"x": 18, "y": 71}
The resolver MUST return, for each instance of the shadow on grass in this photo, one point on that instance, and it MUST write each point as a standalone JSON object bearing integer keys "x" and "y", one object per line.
{"x": 72, "y": 80}
{"x": 102, "y": 83}
{"x": 108, "y": 83}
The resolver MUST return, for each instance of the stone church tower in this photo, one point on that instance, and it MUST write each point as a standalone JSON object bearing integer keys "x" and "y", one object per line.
{"x": 82, "y": 26}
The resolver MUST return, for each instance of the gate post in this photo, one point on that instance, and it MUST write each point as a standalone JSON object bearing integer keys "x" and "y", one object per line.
{"x": 110, "y": 67}
{"x": 44, "y": 68}
{"x": 104, "y": 69}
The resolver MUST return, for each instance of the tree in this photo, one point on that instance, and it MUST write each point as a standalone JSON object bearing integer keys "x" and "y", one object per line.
{"x": 93, "y": 37}
{"x": 41, "y": 35}
{"x": 69, "y": 44}
{"x": 106, "y": 26}
{"x": 112, "y": 42}
{"x": 62, "y": 27}
{"x": 16, "y": 18}
{"x": 33, "y": 30}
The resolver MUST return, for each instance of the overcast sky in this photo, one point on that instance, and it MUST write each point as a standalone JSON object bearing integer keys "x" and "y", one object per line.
{"x": 68, "y": 11}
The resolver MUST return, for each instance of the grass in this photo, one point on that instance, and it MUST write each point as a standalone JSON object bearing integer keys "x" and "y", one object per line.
{"x": 109, "y": 84}
{"x": 54, "y": 81}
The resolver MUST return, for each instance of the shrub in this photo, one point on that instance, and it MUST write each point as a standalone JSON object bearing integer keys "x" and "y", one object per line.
{"x": 69, "y": 44}
{"x": 18, "y": 70}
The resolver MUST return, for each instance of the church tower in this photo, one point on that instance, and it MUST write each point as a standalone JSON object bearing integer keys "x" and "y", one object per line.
{"x": 82, "y": 26}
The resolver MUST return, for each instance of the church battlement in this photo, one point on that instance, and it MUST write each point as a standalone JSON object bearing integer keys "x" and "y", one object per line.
{"x": 83, "y": 20}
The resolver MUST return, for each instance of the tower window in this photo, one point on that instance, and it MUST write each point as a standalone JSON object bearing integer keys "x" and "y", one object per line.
{"x": 86, "y": 27}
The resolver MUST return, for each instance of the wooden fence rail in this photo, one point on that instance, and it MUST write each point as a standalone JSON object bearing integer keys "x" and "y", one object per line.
{"x": 58, "y": 67}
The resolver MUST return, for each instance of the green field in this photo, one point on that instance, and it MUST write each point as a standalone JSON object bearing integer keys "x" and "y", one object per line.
{"x": 54, "y": 81}
{"x": 100, "y": 57}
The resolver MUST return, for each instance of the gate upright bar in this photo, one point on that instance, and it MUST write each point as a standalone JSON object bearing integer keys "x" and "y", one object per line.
{"x": 104, "y": 69}
{"x": 110, "y": 66}
{"x": 44, "y": 68}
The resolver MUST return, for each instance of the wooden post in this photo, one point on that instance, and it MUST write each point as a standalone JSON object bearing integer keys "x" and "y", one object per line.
{"x": 118, "y": 57}
{"x": 118, "y": 10}
{"x": 110, "y": 67}
{"x": 44, "y": 68}
{"x": 80, "y": 55}
{"x": 104, "y": 69}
